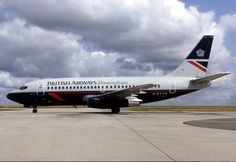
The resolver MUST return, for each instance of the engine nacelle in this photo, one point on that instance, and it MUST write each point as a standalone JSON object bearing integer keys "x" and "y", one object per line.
{"x": 106, "y": 103}
{"x": 109, "y": 103}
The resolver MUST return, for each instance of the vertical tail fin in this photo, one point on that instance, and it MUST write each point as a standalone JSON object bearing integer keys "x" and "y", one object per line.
{"x": 195, "y": 65}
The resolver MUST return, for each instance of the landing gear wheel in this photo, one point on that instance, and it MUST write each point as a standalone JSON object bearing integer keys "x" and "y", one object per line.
{"x": 115, "y": 110}
{"x": 35, "y": 110}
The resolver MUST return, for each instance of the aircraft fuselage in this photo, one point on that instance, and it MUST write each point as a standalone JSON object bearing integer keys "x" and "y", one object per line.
{"x": 72, "y": 91}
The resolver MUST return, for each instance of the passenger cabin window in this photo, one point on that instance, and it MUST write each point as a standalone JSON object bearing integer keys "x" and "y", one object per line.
{"x": 23, "y": 87}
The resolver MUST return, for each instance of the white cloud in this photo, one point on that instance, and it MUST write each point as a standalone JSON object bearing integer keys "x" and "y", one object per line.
{"x": 146, "y": 29}
{"x": 7, "y": 80}
{"x": 228, "y": 21}
{"x": 31, "y": 51}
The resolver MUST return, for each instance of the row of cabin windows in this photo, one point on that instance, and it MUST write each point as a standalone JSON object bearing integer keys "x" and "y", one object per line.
{"x": 92, "y": 87}
{"x": 89, "y": 87}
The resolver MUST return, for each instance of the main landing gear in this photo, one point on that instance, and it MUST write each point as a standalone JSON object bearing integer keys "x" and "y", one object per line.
{"x": 115, "y": 110}
{"x": 35, "y": 110}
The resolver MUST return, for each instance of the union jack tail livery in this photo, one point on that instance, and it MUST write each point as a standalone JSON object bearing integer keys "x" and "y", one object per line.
{"x": 195, "y": 65}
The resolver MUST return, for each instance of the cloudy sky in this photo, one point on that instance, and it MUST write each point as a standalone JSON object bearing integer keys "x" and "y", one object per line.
{"x": 83, "y": 38}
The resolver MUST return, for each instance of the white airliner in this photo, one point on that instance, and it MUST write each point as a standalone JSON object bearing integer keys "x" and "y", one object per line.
{"x": 116, "y": 92}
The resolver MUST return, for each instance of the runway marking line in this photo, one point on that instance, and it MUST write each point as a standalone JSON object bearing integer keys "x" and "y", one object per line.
{"x": 145, "y": 139}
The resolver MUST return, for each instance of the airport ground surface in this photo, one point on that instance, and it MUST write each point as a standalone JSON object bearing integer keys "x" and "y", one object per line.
{"x": 91, "y": 134}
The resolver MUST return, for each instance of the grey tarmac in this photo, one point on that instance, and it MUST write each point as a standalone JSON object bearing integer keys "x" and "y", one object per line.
{"x": 94, "y": 134}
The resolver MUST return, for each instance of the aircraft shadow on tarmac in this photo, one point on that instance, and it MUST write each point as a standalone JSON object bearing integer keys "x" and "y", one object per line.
{"x": 86, "y": 113}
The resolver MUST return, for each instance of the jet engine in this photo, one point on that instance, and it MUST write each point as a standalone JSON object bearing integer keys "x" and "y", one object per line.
{"x": 97, "y": 102}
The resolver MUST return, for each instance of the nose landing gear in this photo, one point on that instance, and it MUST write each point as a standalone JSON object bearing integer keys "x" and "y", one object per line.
{"x": 35, "y": 110}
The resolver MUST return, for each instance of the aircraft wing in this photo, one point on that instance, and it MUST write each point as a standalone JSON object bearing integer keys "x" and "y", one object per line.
{"x": 121, "y": 94}
{"x": 209, "y": 78}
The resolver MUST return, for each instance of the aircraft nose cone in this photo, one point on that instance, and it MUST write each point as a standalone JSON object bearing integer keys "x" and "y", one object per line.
{"x": 10, "y": 96}
{"x": 16, "y": 97}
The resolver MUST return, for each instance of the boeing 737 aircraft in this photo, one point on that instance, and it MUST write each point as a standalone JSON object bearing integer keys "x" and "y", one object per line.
{"x": 116, "y": 92}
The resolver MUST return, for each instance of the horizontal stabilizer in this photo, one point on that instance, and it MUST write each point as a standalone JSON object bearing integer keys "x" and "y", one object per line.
{"x": 209, "y": 78}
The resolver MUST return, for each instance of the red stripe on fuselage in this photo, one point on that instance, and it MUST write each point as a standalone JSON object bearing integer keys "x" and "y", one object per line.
{"x": 197, "y": 65}
{"x": 56, "y": 96}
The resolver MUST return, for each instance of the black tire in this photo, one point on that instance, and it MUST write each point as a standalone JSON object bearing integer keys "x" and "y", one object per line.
{"x": 115, "y": 110}
{"x": 34, "y": 111}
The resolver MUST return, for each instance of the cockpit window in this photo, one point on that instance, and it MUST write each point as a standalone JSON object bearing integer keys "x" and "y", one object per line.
{"x": 23, "y": 87}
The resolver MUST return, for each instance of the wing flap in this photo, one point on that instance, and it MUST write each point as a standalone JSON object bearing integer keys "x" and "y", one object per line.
{"x": 121, "y": 94}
